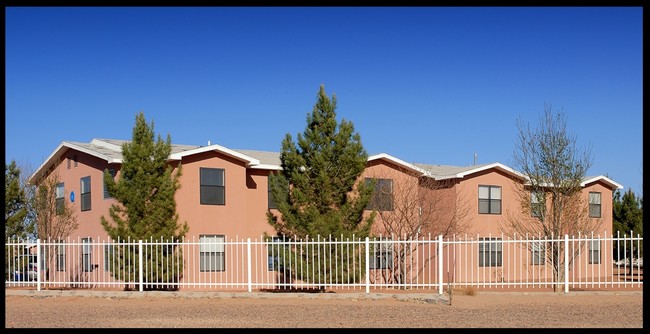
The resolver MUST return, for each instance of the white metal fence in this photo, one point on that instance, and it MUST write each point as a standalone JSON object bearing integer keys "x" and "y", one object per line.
{"x": 217, "y": 263}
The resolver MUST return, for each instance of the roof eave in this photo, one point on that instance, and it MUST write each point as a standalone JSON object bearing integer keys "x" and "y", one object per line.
{"x": 250, "y": 161}
{"x": 58, "y": 152}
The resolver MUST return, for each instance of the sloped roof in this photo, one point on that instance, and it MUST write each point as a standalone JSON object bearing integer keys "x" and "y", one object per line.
{"x": 442, "y": 172}
{"x": 111, "y": 151}
{"x": 607, "y": 180}
{"x": 267, "y": 160}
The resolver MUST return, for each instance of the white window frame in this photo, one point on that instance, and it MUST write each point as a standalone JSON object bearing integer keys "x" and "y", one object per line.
{"x": 212, "y": 253}
{"x": 85, "y": 194}
{"x": 490, "y": 252}
{"x": 538, "y": 252}
{"x": 595, "y": 204}
{"x": 492, "y": 196}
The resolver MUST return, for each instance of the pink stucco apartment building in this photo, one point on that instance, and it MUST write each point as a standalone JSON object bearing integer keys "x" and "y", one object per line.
{"x": 241, "y": 195}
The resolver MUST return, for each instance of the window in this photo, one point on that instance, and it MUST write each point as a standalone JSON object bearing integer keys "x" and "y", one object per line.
{"x": 213, "y": 190}
{"x": 538, "y": 252}
{"x": 382, "y": 195}
{"x": 489, "y": 199}
{"x": 272, "y": 204}
{"x": 211, "y": 253}
{"x": 594, "y": 252}
{"x": 489, "y": 252}
{"x": 594, "y": 205}
{"x": 60, "y": 204}
{"x": 85, "y": 193}
{"x": 381, "y": 256}
{"x": 74, "y": 158}
{"x": 111, "y": 171}
{"x": 537, "y": 204}
{"x": 86, "y": 254}
{"x": 275, "y": 251}
{"x": 60, "y": 256}
{"x": 69, "y": 161}
{"x": 108, "y": 255}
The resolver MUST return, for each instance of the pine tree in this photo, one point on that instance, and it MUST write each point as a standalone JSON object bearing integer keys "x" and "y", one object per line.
{"x": 318, "y": 192}
{"x": 628, "y": 222}
{"x": 146, "y": 208}
{"x": 16, "y": 204}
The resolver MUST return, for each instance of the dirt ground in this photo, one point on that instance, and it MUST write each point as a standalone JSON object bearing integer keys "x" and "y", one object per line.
{"x": 619, "y": 309}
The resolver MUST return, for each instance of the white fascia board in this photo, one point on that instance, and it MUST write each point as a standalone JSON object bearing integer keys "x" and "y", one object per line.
{"x": 398, "y": 161}
{"x": 59, "y": 150}
{"x": 266, "y": 166}
{"x": 218, "y": 148}
{"x": 486, "y": 167}
{"x": 604, "y": 178}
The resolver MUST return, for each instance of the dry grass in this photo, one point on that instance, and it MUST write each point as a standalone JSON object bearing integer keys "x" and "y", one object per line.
{"x": 464, "y": 290}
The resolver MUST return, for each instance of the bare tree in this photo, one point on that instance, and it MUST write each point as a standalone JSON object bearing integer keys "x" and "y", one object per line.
{"x": 55, "y": 217}
{"x": 550, "y": 201}
{"x": 410, "y": 205}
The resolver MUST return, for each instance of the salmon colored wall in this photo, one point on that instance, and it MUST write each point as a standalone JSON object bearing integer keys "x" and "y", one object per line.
{"x": 606, "y": 209}
{"x": 244, "y": 212}
{"x": 486, "y": 224}
{"x": 402, "y": 179}
{"x": 89, "y": 221}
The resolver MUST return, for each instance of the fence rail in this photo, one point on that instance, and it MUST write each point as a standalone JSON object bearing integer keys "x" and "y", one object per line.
{"x": 435, "y": 263}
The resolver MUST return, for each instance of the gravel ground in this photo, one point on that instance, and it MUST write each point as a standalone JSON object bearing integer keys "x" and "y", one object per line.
{"x": 97, "y": 309}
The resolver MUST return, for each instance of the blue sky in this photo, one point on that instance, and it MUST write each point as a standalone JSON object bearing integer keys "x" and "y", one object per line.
{"x": 425, "y": 84}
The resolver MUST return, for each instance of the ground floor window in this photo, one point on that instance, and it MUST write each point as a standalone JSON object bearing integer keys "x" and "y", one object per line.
{"x": 212, "y": 253}
{"x": 490, "y": 252}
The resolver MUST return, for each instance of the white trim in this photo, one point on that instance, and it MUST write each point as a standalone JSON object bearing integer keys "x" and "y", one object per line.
{"x": 59, "y": 152}
{"x": 266, "y": 166}
{"x": 482, "y": 168}
{"x": 604, "y": 178}
{"x": 218, "y": 148}
{"x": 399, "y": 162}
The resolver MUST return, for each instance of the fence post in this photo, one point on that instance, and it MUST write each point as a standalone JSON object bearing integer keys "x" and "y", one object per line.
{"x": 439, "y": 264}
{"x": 140, "y": 260}
{"x": 248, "y": 259}
{"x": 367, "y": 265}
{"x": 566, "y": 263}
{"x": 39, "y": 261}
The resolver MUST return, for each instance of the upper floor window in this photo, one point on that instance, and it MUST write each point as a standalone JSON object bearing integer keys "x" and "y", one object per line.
{"x": 272, "y": 204}
{"x": 536, "y": 204}
{"x": 59, "y": 195}
{"x": 382, "y": 195}
{"x": 212, "y": 253}
{"x": 594, "y": 205}
{"x": 85, "y": 193}
{"x": 489, "y": 199}
{"x": 490, "y": 252}
{"x": 111, "y": 171}
{"x": 213, "y": 189}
